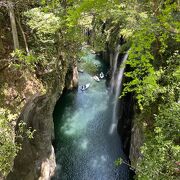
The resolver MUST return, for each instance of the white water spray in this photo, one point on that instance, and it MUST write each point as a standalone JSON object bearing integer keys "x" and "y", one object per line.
{"x": 114, "y": 64}
{"x": 117, "y": 93}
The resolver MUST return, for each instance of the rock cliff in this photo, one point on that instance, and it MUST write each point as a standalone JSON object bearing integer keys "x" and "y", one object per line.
{"x": 36, "y": 160}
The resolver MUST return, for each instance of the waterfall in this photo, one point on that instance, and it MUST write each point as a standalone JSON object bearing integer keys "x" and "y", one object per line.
{"x": 114, "y": 64}
{"x": 117, "y": 93}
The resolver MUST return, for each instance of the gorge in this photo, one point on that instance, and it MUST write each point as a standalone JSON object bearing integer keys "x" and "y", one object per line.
{"x": 84, "y": 146}
{"x": 59, "y": 119}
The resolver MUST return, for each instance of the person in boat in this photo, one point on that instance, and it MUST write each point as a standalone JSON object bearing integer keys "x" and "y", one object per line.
{"x": 101, "y": 75}
{"x": 83, "y": 87}
{"x": 80, "y": 70}
{"x": 96, "y": 78}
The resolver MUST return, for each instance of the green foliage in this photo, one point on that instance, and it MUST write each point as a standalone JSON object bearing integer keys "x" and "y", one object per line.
{"x": 118, "y": 161}
{"x": 8, "y": 148}
{"x": 160, "y": 150}
{"x": 43, "y": 22}
{"x": 150, "y": 56}
{"x": 51, "y": 35}
{"x": 168, "y": 121}
{"x": 154, "y": 79}
{"x": 159, "y": 158}
{"x": 151, "y": 28}
{"x": 144, "y": 77}
{"x": 22, "y": 60}
{"x": 24, "y": 131}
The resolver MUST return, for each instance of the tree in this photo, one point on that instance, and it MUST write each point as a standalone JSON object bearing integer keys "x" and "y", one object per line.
{"x": 13, "y": 25}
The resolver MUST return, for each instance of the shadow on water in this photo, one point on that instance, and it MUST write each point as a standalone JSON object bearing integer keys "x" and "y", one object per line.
{"x": 84, "y": 148}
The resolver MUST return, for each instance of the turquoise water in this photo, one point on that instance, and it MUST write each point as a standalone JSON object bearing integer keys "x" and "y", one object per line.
{"x": 84, "y": 148}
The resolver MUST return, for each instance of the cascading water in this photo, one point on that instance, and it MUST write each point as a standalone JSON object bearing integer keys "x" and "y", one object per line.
{"x": 114, "y": 64}
{"x": 117, "y": 92}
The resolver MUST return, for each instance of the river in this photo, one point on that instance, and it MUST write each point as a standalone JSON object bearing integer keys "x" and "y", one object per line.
{"x": 85, "y": 150}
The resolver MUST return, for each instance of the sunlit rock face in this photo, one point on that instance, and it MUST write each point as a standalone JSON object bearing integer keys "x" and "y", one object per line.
{"x": 36, "y": 160}
{"x": 72, "y": 76}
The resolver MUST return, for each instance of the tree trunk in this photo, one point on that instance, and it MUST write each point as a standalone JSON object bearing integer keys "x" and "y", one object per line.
{"x": 13, "y": 26}
{"x": 23, "y": 34}
{"x": 156, "y": 6}
{"x": 1, "y": 44}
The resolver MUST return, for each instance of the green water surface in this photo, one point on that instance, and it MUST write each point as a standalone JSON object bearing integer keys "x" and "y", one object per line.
{"x": 84, "y": 148}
